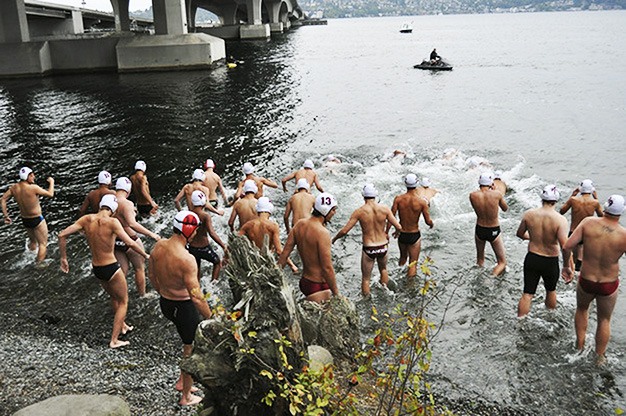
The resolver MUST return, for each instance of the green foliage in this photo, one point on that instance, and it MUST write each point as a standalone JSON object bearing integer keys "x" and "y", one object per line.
{"x": 392, "y": 369}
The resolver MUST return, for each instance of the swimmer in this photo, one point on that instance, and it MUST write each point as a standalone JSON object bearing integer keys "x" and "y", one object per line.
{"x": 174, "y": 275}
{"x": 26, "y": 194}
{"x": 546, "y": 232}
{"x": 248, "y": 170}
{"x": 199, "y": 246}
{"x": 102, "y": 231}
{"x": 583, "y": 204}
{"x": 141, "y": 188}
{"x": 93, "y": 198}
{"x": 375, "y": 220}
{"x": 261, "y": 227}
{"x": 299, "y": 205}
{"x": 213, "y": 181}
{"x": 426, "y": 191}
{"x": 485, "y": 202}
{"x": 126, "y": 214}
{"x": 318, "y": 282}
{"x": 306, "y": 172}
{"x": 196, "y": 184}
{"x": 498, "y": 184}
{"x": 605, "y": 243}
{"x": 245, "y": 207}
{"x": 409, "y": 207}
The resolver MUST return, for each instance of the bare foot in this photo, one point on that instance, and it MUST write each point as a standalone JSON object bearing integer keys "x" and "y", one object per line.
{"x": 118, "y": 344}
{"x": 127, "y": 328}
{"x": 190, "y": 400}
{"x": 179, "y": 387}
{"x": 295, "y": 270}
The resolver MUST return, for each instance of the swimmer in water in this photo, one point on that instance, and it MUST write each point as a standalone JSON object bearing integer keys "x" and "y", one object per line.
{"x": 426, "y": 191}
{"x": 299, "y": 205}
{"x": 306, "y": 172}
{"x": 141, "y": 189}
{"x": 196, "y": 184}
{"x": 93, "y": 198}
{"x": 26, "y": 193}
{"x": 248, "y": 170}
{"x": 244, "y": 208}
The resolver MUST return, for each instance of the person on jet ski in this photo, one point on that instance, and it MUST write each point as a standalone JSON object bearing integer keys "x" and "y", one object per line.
{"x": 434, "y": 58}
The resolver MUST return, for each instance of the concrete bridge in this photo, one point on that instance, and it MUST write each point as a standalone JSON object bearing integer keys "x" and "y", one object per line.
{"x": 45, "y": 38}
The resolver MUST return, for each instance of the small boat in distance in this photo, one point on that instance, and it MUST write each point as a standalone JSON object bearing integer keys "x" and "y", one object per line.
{"x": 406, "y": 28}
{"x": 438, "y": 65}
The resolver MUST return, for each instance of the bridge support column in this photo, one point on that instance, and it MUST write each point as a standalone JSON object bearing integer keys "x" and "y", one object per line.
{"x": 255, "y": 29}
{"x": 228, "y": 14}
{"x": 273, "y": 9}
{"x": 170, "y": 17}
{"x": 13, "y": 24}
{"x": 122, "y": 18}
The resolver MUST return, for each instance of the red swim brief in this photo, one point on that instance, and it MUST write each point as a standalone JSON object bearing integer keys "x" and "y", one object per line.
{"x": 308, "y": 287}
{"x": 597, "y": 288}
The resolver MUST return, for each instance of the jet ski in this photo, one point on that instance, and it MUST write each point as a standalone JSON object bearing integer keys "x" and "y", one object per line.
{"x": 438, "y": 65}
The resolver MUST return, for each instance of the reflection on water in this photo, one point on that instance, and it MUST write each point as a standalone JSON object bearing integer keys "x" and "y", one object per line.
{"x": 349, "y": 89}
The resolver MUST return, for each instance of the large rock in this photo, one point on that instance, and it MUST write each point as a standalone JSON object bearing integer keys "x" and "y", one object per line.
{"x": 78, "y": 405}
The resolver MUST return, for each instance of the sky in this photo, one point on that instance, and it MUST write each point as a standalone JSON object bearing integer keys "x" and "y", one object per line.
{"x": 103, "y": 5}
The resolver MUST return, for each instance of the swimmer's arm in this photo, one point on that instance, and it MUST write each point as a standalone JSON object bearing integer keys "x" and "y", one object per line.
{"x": 5, "y": 212}
{"x": 286, "y": 216}
{"x": 566, "y": 206}
{"x": 238, "y": 192}
{"x": 316, "y": 181}
{"x": 351, "y": 223}
{"x": 567, "y": 273}
{"x": 213, "y": 234}
{"x": 503, "y": 205}
{"x": 326, "y": 263}
{"x": 83, "y": 208}
{"x": 287, "y": 179}
{"x": 599, "y": 211}
{"x": 74, "y": 228}
{"x": 269, "y": 182}
{"x": 145, "y": 191}
{"x": 151, "y": 276}
{"x": 214, "y": 210}
{"x": 222, "y": 191}
{"x": 394, "y": 210}
{"x": 289, "y": 245}
{"x": 275, "y": 240}
{"x": 180, "y": 196}
{"x": 49, "y": 192}
{"x": 391, "y": 220}
{"x": 132, "y": 223}
{"x": 426, "y": 215}
{"x": 576, "y": 236}
{"x": 231, "y": 220}
{"x": 522, "y": 230}
{"x": 190, "y": 278}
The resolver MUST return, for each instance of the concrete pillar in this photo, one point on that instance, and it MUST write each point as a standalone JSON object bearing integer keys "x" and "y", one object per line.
{"x": 13, "y": 24}
{"x": 77, "y": 22}
{"x": 170, "y": 17}
{"x": 228, "y": 14}
{"x": 273, "y": 10}
{"x": 122, "y": 18}
{"x": 254, "y": 12}
{"x": 255, "y": 29}
{"x": 192, "y": 10}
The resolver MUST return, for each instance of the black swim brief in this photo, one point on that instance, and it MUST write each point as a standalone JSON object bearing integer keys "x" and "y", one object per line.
{"x": 205, "y": 253}
{"x": 376, "y": 252}
{"x": 184, "y": 315}
{"x": 32, "y": 222}
{"x": 105, "y": 273}
{"x": 409, "y": 238}
{"x": 487, "y": 233}
{"x": 144, "y": 209}
{"x": 121, "y": 246}
{"x": 535, "y": 267}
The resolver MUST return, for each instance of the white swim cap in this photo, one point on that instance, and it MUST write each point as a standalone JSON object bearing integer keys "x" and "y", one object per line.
{"x": 550, "y": 193}
{"x": 198, "y": 198}
{"x": 426, "y": 182}
{"x": 264, "y": 205}
{"x": 485, "y": 179}
{"x": 586, "y": 187}
{"x": 24, "y": 172}
{"x": 614, "y": 205}
{"x": 104, "y": 178}
{"x": 497, "y": 174}
{"x": 324, "y": 203}
{"x": 186, "y": 222}
{"x": 369, "y": 191}
{"x": 411, "y": 181}
{"x": 303, "y": 184}
{"x": 248, "y": 168}
{"x": 124, "y": 184}
{"x": 109, "y": 201}
{"x": 250, "y": 186}
{"x": 198, "y": 175}
{"x": 308, "y": 164}
{"x": 140, "y": 165}
{"x": 209, "y": 164}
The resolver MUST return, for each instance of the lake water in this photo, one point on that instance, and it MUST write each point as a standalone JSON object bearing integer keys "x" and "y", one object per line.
{"x": 541, "y": 97}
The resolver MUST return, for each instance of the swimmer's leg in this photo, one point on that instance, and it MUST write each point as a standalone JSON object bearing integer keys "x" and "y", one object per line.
{"x": 117, "y": 289}
{"x": 581, "y": 318}
{"x": 605, "y": 306}
{"x": 367, "y": 264}
{"x": 382, "y": 268}
{"x": 187, "y": 399}
{"x": 480, "y": 251}
{"x": 139, "y": 264}
{"x": 40, "y": 236}
{"x": 498, "y": 249}
{"x": 414, "y": 255}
